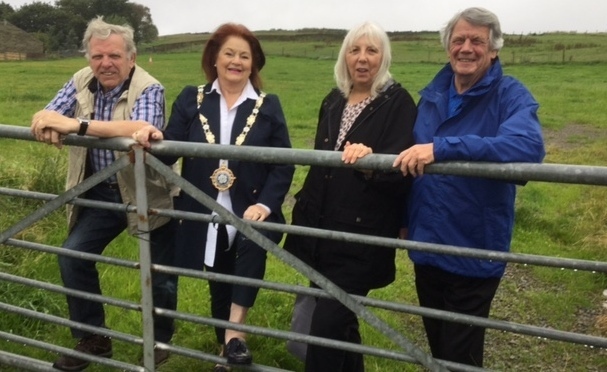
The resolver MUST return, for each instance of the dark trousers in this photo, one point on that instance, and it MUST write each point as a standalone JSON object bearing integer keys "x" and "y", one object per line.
{"x": 439, "y": 289}
{"x": 245, "y": 259}
{"x": 93, "y": 231}
{"x": 333, "y": 320}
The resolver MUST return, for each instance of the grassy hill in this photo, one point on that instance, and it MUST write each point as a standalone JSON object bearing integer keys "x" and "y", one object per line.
{"x": 408, "y": 46}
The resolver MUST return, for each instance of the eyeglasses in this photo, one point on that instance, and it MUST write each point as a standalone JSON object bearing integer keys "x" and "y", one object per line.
{"x": 475, "y": 40}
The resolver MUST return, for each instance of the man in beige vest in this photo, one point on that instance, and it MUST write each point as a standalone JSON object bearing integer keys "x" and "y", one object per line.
{"x": 110, "y": 98}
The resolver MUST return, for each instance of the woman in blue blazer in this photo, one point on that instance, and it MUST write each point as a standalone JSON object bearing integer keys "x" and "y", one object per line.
{"x": 230, "y": 109}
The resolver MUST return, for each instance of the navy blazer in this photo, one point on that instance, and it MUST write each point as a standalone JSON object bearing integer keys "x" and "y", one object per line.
{"x": 255, "y": 182}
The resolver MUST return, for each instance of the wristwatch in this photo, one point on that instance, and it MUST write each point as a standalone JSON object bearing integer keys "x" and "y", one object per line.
{"x": 84, "y": 126}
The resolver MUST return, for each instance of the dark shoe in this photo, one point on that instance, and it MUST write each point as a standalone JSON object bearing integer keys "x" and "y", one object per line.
{"x": 94, "y": 344}
{"x": 237, "y": 352}
{"x": 221, "y": 368}
{"x": 160, "y": 357}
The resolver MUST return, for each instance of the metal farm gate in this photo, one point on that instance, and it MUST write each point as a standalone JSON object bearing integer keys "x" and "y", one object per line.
{"x": 409, "y": 352}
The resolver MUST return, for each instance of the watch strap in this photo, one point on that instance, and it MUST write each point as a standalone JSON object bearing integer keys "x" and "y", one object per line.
{"x": 84, "y": 126}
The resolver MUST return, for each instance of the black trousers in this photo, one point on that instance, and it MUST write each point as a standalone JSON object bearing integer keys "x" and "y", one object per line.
{"x": 333, "y": 320}
{"x": 245, "y": 259}
{"x": 439, "y": 289}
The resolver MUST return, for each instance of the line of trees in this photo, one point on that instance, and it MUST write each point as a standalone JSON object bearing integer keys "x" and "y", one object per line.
{"x": 61, "y": 26}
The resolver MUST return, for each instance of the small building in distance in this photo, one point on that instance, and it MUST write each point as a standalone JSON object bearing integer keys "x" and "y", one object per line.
{"x": 16, "y": 44}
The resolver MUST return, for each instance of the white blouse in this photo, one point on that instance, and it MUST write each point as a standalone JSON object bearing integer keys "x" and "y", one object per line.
{"x": 223, "y": 197}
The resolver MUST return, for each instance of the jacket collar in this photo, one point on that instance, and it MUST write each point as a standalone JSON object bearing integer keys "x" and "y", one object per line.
{"x": 439, "y": 86}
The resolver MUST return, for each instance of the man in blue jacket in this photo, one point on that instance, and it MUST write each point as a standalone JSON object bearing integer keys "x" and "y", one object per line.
{"x": 468, "y": 112}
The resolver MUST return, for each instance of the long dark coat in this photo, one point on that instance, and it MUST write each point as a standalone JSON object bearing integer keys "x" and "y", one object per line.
{"x": 342, "y": 199}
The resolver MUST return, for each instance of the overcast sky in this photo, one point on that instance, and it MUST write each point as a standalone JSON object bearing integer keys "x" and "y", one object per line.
{"x": 516, "y": 16}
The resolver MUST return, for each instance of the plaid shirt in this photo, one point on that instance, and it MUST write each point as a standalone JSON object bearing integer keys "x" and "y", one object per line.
{"x": 148, "y": 107}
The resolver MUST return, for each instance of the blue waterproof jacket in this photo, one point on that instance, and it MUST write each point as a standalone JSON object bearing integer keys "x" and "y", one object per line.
{"x": 497, "y": 122}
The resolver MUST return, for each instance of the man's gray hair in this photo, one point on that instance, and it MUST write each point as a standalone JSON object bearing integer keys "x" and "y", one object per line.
{"x": 476, "y": 17}
{"x": 98, "y": 28}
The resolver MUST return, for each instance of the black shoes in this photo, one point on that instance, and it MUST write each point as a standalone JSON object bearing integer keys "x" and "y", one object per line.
{"x": 94, "y": 344}
{"x": 160, "y": 357}
{"x": 221, "y": 368}
{"x": 237, "y": 352}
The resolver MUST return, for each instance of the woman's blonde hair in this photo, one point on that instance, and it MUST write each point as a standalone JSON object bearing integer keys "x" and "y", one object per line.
{"x": 375, "y": 34}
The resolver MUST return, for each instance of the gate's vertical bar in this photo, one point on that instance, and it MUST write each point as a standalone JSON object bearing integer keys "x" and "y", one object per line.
{"x": 147, "y": 310}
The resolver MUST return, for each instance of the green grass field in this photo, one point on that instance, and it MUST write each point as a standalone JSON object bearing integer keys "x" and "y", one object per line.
{"x": 552, "y": 219}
